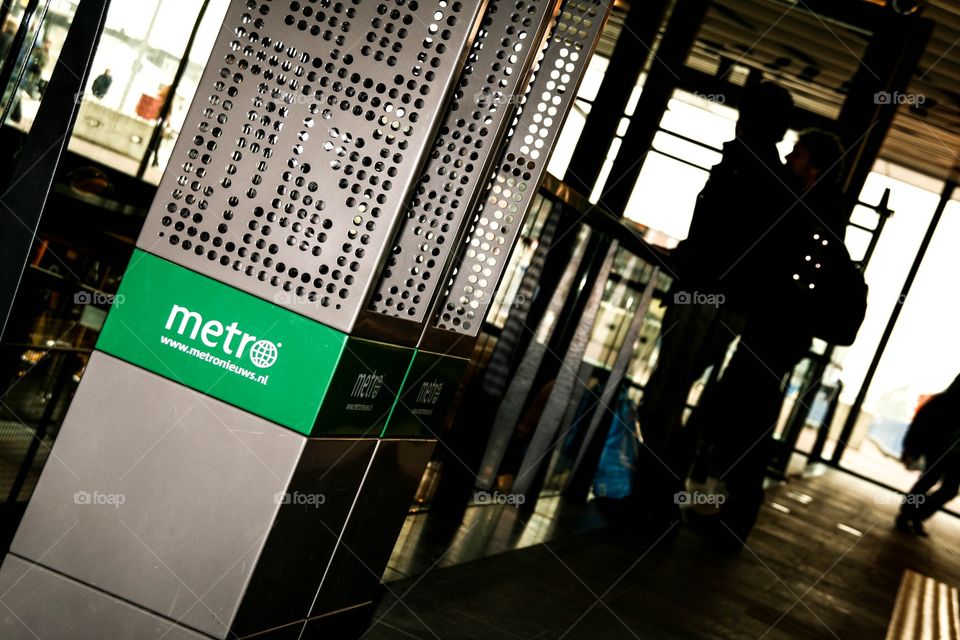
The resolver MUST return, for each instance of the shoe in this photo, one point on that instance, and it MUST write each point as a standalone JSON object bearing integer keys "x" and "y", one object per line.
{"x": 903, "y": 524}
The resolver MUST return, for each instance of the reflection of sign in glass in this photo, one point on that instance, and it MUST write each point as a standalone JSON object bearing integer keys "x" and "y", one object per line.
{"x": 428, "y": 394}
{"x": 364, "y": 388}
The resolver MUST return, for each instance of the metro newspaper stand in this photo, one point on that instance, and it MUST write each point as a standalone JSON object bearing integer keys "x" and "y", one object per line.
{"x": 246, "y": 441}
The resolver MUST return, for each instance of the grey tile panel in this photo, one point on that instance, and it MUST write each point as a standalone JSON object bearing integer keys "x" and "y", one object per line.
{"x": 159, "y": 494}
{"x": 374, "y": 525}
{"x": 39, "y": 604}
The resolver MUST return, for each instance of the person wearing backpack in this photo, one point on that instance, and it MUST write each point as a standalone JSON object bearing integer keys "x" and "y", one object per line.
{"x": 933, "y": 444}
{"x": 732, "y": 209}
{"x": 807, "y": 286}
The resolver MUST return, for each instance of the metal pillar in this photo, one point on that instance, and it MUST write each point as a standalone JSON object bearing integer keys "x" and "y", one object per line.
{"x": 207, "y": 412}
{"x": 887, "y": 66}
{"x": 633, "y": 49}
{"x": 521, "y": 169}
{"x": 816, "y": 451}
{"x": 611, "y": 100}
{"x": 264, "y": 399}
{"x": 681, "y": 31}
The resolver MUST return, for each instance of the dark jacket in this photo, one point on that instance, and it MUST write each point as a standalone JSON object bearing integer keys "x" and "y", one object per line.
{"x": 101, "y": 85}
{"x": 745, "y": 195}
{"x": 809, "y": 279}
{"x": 819, "y": 210}
{"x": 935, "y": 429}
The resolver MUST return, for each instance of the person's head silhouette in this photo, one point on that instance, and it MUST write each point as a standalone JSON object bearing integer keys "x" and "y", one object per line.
{"x": 816, "y": 157}
{"x": 764, "y": 113}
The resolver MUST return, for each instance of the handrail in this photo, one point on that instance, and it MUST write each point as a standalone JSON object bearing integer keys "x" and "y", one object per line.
{"x": 598, "y": 217}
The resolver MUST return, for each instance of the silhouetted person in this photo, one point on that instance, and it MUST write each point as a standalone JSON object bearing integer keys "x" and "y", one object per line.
{"x": 35, "y": 67}
{"x": 6, "y": 39}
{"x": 934, "y": 434}
{"x": 778, "y": 332}
{"x": 6, "y": 42}
{"x": 101, "y": 84}
{"x": 708, "y": 301}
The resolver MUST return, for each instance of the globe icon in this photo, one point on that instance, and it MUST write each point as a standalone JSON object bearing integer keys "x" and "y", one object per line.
{"x": 263, "y": 354}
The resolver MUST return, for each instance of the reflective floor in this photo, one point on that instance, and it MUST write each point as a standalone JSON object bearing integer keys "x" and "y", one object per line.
{"x": 823, "y": 562}
{"x": 428, "y": 542}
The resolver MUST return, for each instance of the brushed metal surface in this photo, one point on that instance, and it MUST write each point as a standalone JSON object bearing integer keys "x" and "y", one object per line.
{"x": 38, "y": 603}
{"x": 159, "y": 495}
{"x": 308, "y": 130}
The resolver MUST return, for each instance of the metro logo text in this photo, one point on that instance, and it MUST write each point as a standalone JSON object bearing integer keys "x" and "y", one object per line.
{"x": 429, "y": 392}
{"x": 228, "y": 337}
{"x": 367, "y": 385}
{"x": 208, "y": 331}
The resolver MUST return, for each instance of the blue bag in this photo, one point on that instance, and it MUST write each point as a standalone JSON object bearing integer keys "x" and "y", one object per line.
{"x": 614, "y": 477}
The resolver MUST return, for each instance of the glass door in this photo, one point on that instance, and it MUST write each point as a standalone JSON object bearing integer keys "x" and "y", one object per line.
{"x": 913, "y": 200}
{"x": 922, "y": 358}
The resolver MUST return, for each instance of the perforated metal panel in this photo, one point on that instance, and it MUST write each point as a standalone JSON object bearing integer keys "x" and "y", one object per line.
{"x": 496, "y": 223}
{"x": 468, "y": 143}
{"x": 309, "y": 127}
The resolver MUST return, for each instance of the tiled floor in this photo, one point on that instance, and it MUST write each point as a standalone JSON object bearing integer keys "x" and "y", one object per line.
{"x": 823, "y": 562}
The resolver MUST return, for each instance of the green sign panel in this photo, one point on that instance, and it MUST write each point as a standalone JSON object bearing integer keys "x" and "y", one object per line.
{"x": 222, "y": 342}
{"x": 427, "y": 396}
{"x": 364, "y": 388}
